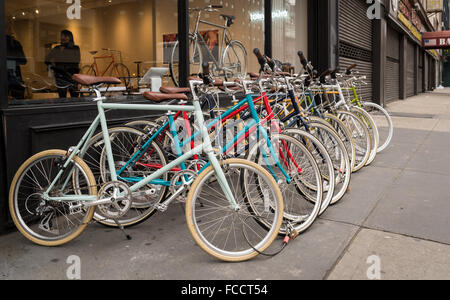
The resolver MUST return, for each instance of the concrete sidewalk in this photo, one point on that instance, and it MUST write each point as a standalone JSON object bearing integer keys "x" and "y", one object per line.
{"x": 393, "y": 224}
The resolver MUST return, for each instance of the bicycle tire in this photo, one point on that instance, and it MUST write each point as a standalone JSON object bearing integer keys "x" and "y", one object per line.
{"x": 95, "y": 157}
{"x": 342, "y": 131}
{"x": 323, "y": 160}
{"x": 174, "y": 74}
{"x": 16, "y": 188}
{"x": 361, "y": 137}
{"x": 88, "y": 70}
{"x": 303, "y": 196}
{"x": 248, "y": 248}
{"x": 338, "y": 152}
{"x": 373, "y": 130}
{"x": 122, "y": 72}
{"x": 243, "y": 70}
{"x": 372, "y": 109}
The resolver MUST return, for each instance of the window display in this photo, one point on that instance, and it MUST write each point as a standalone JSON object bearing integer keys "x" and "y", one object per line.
{"x": 289, "y": 30}
{"x": 228, "y": 34}
{"x": 49, "y": 41}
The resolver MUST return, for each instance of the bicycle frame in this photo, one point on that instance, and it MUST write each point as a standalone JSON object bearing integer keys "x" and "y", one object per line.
{"x": 111, "y": 64}
{"x": 254, "y": 125}
{"x": 101, "y": 120}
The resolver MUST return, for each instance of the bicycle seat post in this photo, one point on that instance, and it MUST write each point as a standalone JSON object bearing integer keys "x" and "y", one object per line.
{"x": 98, "y": 94}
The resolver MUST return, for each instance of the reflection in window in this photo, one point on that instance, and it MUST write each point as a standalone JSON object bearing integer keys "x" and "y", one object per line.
{"x": 289, "y": 30}
{"x": 247, "y": 26}
{"x": 48, "y": 41}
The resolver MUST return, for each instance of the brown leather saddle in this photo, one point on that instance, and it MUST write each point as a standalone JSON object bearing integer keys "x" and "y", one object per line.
{"x": 89, "y": 80}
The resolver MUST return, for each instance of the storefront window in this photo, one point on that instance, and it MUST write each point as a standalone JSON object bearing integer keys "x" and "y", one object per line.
{"x": 246, "y": 27}
{"x": 48, "y": 41}
{"x": 289, "y": 32}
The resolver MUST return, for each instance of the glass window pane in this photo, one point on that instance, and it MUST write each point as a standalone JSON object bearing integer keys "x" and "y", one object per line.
{"x": 48, "y": 41}
{"x": 246, "y": 27}
{"x": 290, "y": 33}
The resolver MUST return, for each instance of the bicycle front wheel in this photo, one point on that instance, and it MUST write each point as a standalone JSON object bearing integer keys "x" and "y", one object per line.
{"x": 361, "y": 136}
{"x": 343, "y": 133}
{"x": 373, "y": 130}
{"x": 125, "y": 141}
{"x": 219, "y": 229}
{"x": 298, "y": 175}
{"x": 384, "y": 123}
{"x": 323, "y": 159}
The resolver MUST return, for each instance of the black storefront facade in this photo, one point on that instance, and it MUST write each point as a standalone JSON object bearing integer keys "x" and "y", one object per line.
{"x": 332, "y": 36}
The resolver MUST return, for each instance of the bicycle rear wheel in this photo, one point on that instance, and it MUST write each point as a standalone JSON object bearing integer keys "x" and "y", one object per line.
{"x": 125, "y": 141}
{"x": 88, "y": 70}
{"x": 338, "y": 153}
{"x": 195, "y": 60}
{"x": 225, "y": 233}
{"x": 123, "y": 73}
{"x": 50, "y": 223}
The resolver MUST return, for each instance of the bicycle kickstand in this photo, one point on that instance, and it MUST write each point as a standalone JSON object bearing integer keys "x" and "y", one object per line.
{"x": 123, "y": 230}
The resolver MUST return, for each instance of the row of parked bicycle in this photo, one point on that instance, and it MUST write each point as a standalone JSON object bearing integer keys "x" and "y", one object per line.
{"x": 265, "y": 167}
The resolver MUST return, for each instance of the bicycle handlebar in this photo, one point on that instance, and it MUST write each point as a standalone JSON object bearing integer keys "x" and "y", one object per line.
{"x": 334, "y": 72}
{"x": 205, "y": 68}
{"x": 206, "y": 76}
{"x": 325, "y": 73}
{"x": 261, "y": 59}
{"x": 350, "y": 68}
{"x": 302, "y": 57}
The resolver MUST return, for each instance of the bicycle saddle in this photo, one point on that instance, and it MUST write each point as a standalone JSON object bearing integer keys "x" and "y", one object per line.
{"x": 160, "y": 97}
{"x": 174, "y": 90}
{"x": 229, "y": 19}
{"x": 217, "y": 82}
{"x": 93, "y": 80}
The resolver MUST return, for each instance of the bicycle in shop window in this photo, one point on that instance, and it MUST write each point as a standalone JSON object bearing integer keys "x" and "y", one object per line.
{"x": 230, "y": 63}
{"x": 113, "y": 68}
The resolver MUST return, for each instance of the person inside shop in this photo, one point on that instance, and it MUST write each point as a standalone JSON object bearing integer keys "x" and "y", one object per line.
{"x": 15, "y": 57}
{"x": 64, "y": 61}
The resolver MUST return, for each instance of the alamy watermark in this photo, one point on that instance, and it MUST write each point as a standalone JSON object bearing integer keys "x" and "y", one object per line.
{"x": 74, "y": 10}
{"x": 74, "y": 270}
{"x": 374, "y": 270}
{"x": 374, "y": 10}
{"x": 234, "y": 138}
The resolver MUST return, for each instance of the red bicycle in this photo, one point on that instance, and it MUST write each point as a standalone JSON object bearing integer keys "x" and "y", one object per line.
{"x": 113, "y": 68}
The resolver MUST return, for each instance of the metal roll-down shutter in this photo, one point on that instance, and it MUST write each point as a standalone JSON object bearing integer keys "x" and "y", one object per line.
{"x": 356, "y": 42}
{"x": 410, "y": 69}
{"x": 392, "y": 69}
{"x": 420, "y": 78}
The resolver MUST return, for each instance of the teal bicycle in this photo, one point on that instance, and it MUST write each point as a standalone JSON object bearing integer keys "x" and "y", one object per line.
{"x": 54, "y": 194}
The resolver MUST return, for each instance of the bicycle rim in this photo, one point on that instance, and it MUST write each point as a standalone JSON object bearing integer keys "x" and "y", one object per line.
{"x": 218, "y": 229}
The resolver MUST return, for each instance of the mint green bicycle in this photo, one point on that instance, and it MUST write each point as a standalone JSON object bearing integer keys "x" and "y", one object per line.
{"x": 54, "y": 194}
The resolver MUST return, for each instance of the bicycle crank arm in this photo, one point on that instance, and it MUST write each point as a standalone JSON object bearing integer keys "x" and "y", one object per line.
{"x": 163, "y": 207}
{"x": 95, "y": 203}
